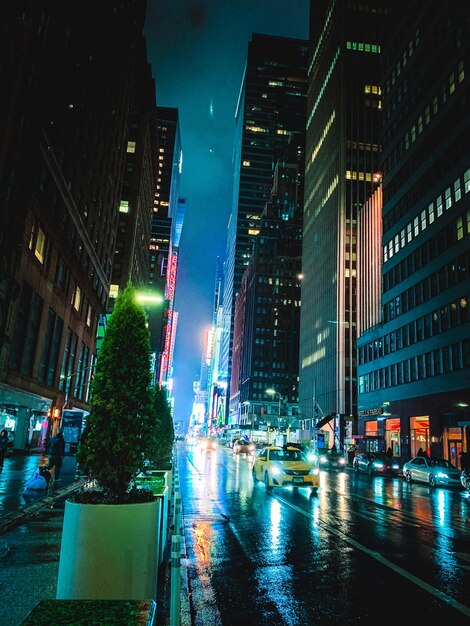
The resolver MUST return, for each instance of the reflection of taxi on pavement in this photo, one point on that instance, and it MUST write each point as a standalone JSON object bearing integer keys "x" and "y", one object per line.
{"x": 280, "y": 467}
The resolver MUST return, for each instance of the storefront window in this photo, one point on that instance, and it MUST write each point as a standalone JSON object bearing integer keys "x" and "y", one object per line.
{"x": 419, "y": 435}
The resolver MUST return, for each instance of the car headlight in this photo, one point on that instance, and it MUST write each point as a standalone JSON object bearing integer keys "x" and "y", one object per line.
{"x": 323, "y": 459}
{"x": 342, "y": 461}
{"x": 377, "y": 464}
{"x": 314, "y": 471}
{"x": 442, "y": 475}
{"x": 395, "y": 466}
{"x": 275, "y": 471}
{"x": 312, "y": 458}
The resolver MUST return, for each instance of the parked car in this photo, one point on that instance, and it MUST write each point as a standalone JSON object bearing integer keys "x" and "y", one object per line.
{"x": 376, "y": 463}
{"x": 465, "y": 478}
{"x": 244, "y": 446}
{"x": 433, "y": 471}
{"x": 282, "y": 466}
{"x": 331, "y": 459}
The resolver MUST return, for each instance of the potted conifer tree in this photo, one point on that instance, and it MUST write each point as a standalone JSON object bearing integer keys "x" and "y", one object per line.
{"x": 110, "y": 535}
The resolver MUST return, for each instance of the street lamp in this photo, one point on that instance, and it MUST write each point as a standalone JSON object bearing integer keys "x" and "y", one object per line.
{"x": 273, "y": 392}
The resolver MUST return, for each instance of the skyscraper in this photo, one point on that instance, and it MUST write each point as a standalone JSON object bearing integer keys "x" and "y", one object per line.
{"x": 342, "y": 155}
{"x": 270, "y": 112}
{"x": 414, "y": 365}
{"x": 64, "y": 135}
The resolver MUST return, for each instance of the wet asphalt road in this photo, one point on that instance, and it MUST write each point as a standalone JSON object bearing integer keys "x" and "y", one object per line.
{"x": 365, "y": 550}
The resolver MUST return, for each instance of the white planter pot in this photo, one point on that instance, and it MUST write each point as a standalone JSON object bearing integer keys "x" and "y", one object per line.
{"x": 109, "y": 551}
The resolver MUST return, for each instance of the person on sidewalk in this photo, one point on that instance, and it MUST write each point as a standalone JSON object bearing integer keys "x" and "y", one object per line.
{"x": 3, "y": 446}
{"x": 56, "y": 453}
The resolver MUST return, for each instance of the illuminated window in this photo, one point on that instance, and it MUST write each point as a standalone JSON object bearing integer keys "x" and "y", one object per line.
{"x": 461, "y": 72}
{"x": 89, "y": 315}
{"x": 113, "y": 291}
{"x": 457, "y": 190}
{"x": 466, "y": 181}
{"x": 40, "y": 245}
{"x": 431, "y": 213}
{"x": 402, "y": 238}
{"x": 77, "y": 298}
{"x": 427, "y": 114}
{"x": 416, "y": 226}
{"x": 452, "y": 83}
{"x": 459, "y": 226}
{"x": 246, "y": 163}
{"x": 448, "y": 196}
{"x": 131, "y": 147}
{"x": 124, "y": 206}
{"x": 439, "y": 206}
{"x": 423, "y": 220}
{"x": 409, "y": 232}
{"x": 253, "y": 231}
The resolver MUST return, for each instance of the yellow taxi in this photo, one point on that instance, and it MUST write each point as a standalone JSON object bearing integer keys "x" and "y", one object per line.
{"x": 285, "y": 466}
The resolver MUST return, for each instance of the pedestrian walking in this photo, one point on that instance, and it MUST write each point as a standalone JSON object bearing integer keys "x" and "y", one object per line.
{"x": 56, "y": 453}
{"x": 3, "y": 446}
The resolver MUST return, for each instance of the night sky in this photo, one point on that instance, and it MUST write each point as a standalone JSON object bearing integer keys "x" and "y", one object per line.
{"x": 198, "y": 52}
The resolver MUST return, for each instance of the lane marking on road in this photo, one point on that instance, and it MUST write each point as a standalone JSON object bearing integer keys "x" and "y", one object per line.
{"x": 381, "y": 559}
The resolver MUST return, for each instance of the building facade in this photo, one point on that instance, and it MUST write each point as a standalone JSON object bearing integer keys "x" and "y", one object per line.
{"x": 64, "y": 131}
{"x": 342, "y": 157}
{"x": 414, "y": 366}
{"x": 270, "y": 113}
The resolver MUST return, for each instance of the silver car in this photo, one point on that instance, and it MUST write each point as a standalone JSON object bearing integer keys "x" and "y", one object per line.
{"x": 432, "y": 471}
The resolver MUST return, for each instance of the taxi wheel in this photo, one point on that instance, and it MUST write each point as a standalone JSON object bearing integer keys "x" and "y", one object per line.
{"x": 266, "y": 482}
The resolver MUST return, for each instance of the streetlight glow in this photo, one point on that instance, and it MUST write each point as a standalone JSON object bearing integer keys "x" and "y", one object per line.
{"x": 148, "y": 297}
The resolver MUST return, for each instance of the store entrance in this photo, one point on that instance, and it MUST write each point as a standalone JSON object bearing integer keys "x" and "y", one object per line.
{"x": 454, "y": 450}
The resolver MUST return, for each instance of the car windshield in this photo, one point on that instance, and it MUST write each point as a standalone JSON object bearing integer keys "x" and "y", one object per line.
{"x": 439, "y": 463}
{"x": 285, "y": 455}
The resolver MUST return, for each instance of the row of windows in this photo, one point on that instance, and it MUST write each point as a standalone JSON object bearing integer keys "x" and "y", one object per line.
{"x": 451, "y": 358}
{"x": 407, "y": 53}
{"x": 439, "y": 243}
{"x": 426, "y": 217}
{"x": 42, "y": 249}
{"x": 447, "y": 276}
{"x": 451, "y": 315}
{"x": 456, "y": 77}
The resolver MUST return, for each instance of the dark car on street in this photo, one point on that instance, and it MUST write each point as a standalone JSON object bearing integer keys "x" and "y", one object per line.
{"x": 376, "y": 463}
{"x": 331, "y": 459}
{"x": 243, "y": 446}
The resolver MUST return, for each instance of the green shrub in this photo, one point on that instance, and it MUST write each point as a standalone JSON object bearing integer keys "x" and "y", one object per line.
{"x": 121, "y": 427}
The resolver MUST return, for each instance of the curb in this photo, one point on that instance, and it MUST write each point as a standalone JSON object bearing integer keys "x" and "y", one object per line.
{"x": 16, "y": 518}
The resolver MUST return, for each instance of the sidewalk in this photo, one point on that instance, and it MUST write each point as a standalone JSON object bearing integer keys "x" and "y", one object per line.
{"x": 15, "y": 505}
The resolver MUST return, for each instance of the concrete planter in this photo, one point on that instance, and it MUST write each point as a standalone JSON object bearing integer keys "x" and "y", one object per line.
{"x": 109, "y": 551}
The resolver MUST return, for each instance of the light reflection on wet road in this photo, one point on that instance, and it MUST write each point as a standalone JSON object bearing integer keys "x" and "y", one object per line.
{"x": 362, "y": 549}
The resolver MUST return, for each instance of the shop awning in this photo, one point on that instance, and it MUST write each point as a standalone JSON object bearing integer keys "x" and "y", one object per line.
{"x": 324, "y": 420}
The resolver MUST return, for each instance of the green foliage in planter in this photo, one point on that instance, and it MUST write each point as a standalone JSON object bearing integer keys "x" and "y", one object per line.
{"x": 165, "y": 433}
{"x": 121, "y": 427}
